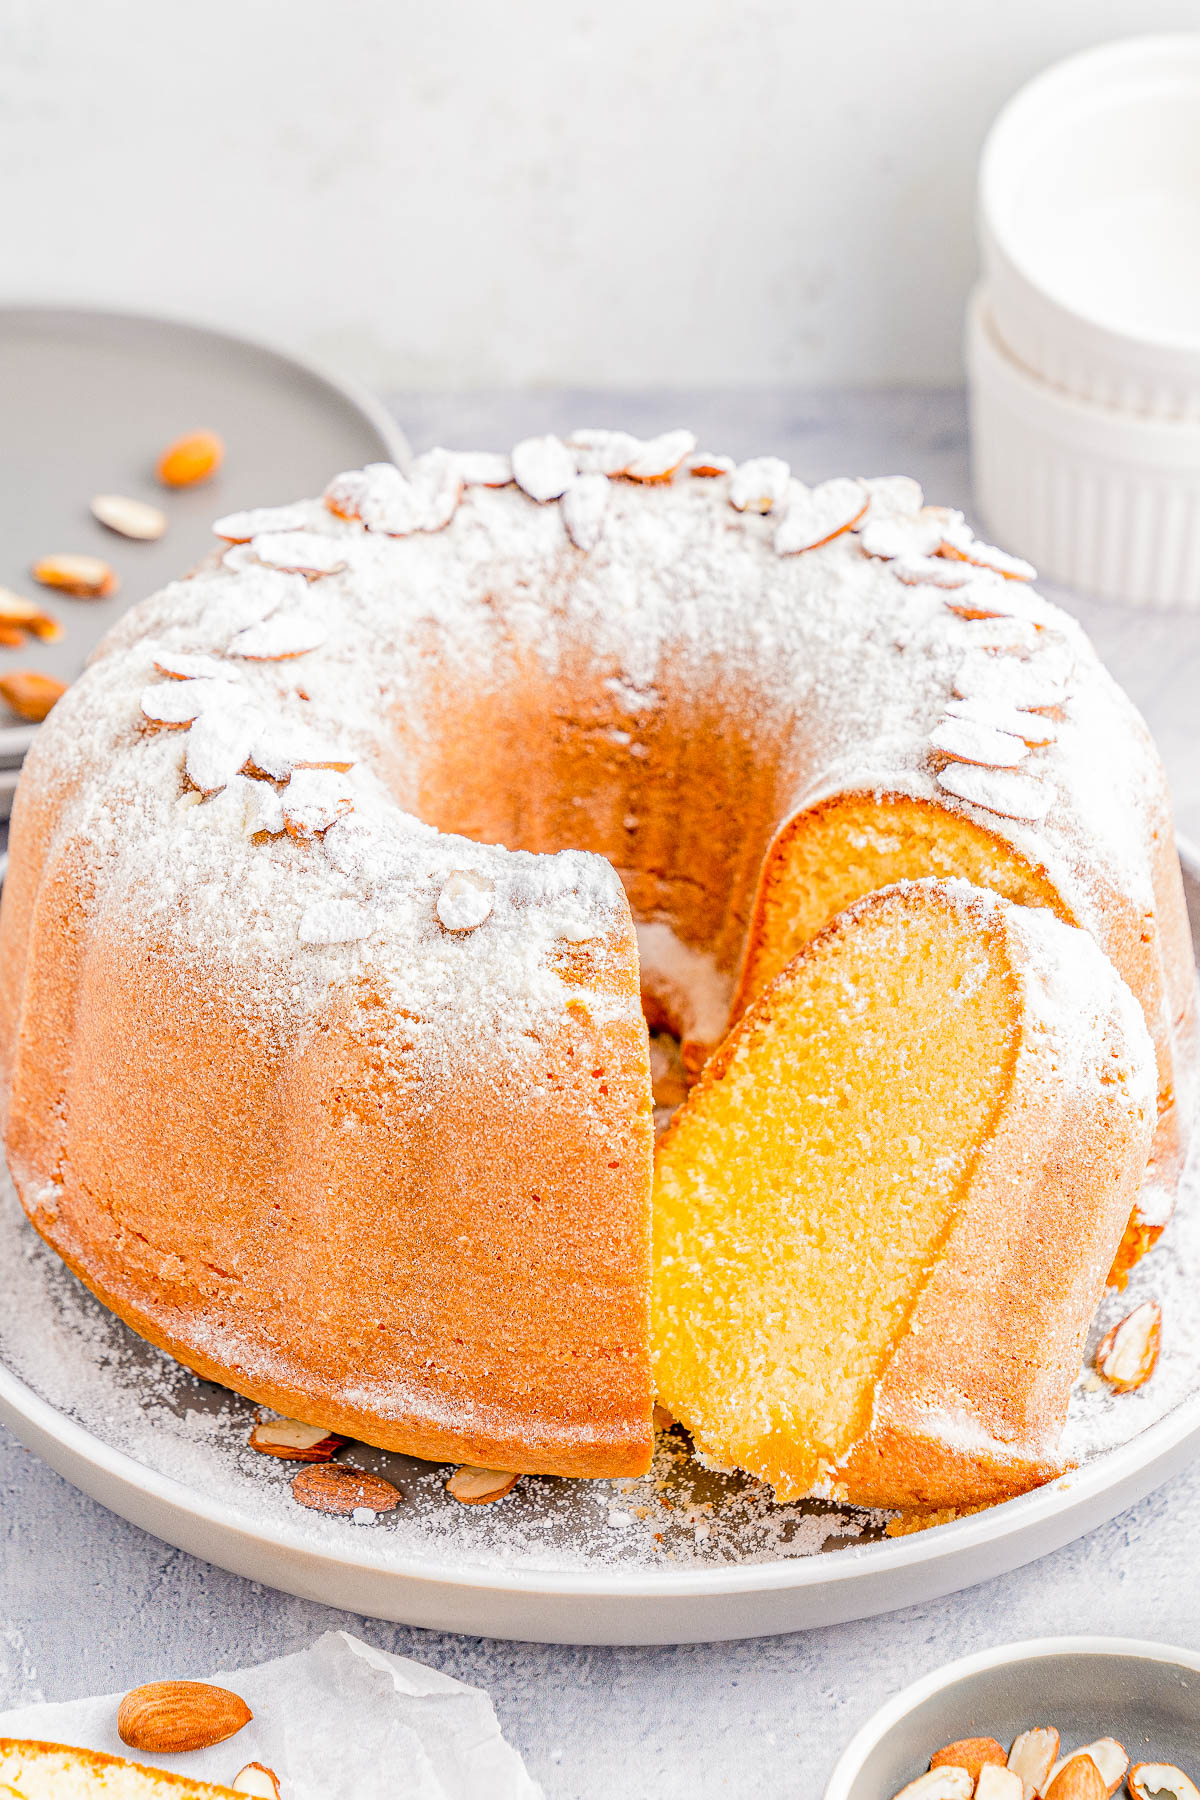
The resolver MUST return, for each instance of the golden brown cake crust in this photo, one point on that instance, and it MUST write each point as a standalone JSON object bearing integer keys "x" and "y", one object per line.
{"x": 393, "y": 1177}
{"x": 28, "y": 1759}
{"x": 971, "y": 1404}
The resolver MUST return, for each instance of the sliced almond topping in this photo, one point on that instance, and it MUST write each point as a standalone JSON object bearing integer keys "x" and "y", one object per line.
{"x": 479, "y": 1487}
{"x": 341, "y": 1489}
{"x": 466, "y": 900}
{"x": 1032, "y": 686}
{"x": 583, "y": 508}
{"x": 179, "y": 702}
{"x": 363, "y": 493}
{"x": 971, "y": 1754}
{"x": 240, "y": 527}
{"x": 257, "y": 1779}
{"x": 1031, "y": 728}
{"x": 1161, "y": 1781}
{"x": 130, "y": 518}
{"x": 938, "y": 1784}
{"x": 960, "y": 541}
{"x": 892, "y": 497}
{"x": 335, "y": 922}
{"x": 1009, "y": 634}
{"x": 704, "y": 465}
{"x": 313, "y": 799}
{"x": 1109, "y": 1757}
{"x": 29, "y": 693}
{"x": 219, "y": 746}
{"x": 816, "y": 515}
{"x": 87, "y": 577}
{"x": 1032, "y": 1757}
{"x": 930, "y": 571}
{"x": 167, "y": 1717}
{"x": 484, "y": 468}
{"x": 191, "y": 459}
{"x": 279, "y": 638}
{"x": 1128, "y": 1354}
{"x": 892, "y": 535}
{"x": 1078, "y": 1779}
{"x": 759, "y": 485}
{"x": 437, "y": 478}
{"x": 299, "y": 552}
{"x": 600, "y": 452}
{"x": 190, "y": 665}
{"x": 283, "y": 746}
{"x": 294, "y": 1441}
{"x": 966, "y": 741}
{"x": 543, "y": 467}
{"x": 659, "y": 457}
{"x": 998, "y": 1784}
{"x": 1001, "y": 791}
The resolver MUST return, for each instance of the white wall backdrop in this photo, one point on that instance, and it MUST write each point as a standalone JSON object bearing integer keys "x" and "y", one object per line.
{"x": 447, "y": 193}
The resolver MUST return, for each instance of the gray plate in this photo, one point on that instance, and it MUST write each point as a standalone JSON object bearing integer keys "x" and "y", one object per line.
{"x": 1147, "y": 1696}
{"x": 89, "y": 399}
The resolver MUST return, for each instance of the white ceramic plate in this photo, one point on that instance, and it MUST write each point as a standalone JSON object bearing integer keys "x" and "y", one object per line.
{"x": 684, "y": 1557}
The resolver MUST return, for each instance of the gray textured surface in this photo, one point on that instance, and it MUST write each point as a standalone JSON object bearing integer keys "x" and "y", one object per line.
{"x": 88, "y": 1603}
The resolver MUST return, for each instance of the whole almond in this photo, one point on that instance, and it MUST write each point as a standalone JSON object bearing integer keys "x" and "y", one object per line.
{"x": 1078, "y": 1779}
{"x": 30, "y": 694}
{"x": 340, "y": 1488}
{"x": 257, "y": 1779}
{"x": 191, "y": 459}
{"x": 87, "y": 577}
{"x": 168, "y": 1716}
{"x": 970, "y": 1754}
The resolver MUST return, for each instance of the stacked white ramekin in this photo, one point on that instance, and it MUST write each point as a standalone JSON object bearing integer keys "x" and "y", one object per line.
{"x": 1083, "y": 339}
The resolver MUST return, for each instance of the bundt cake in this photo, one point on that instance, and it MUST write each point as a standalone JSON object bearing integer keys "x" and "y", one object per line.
{"x": 344, "y": 880}
{"x": 883, "y": 1218}
{"x": 33, "y": 1771}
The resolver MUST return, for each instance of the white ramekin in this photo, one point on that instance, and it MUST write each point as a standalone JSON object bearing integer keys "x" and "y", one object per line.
{"x": 1089, "y": 219}
{"x": 1095, "y": 498}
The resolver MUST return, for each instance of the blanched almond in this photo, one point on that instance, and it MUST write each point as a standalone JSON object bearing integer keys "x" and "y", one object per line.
{"x": 168, "y": 1716}
{"x": 30, "y": 694}
{"x": 1032, "y": 1757}
{"x": 341, "y": 1489}
{"x": 998, "y": 1784}
{"x": 479, "y": 1487}
{"x": 294, "y": 1441}
{"x": 971, "y": 1754}
{"x": 87, "y": 577}
{"x": 1161, "y": 1781}
{"x": 938, "y": 1784}
{"x": 129, "y": 518}
{"x": 191, "y": 459}
{"x": 257, "y": 1779}
{"x": 1128, "y": 1354}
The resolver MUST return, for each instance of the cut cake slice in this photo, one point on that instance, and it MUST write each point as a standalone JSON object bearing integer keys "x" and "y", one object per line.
{"x": 884, "y": 1216}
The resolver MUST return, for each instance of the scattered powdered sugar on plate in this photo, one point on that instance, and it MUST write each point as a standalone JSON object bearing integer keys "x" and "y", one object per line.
{"x": 92, "y": 1369}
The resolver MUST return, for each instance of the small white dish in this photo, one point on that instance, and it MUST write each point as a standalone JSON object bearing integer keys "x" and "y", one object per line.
{"x": 1105, "y": 501}
{"x": 1089, "y": 217}
{"x": 1145, "y": 1695}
